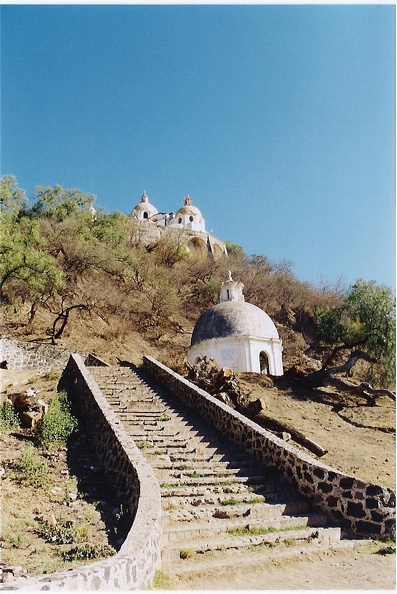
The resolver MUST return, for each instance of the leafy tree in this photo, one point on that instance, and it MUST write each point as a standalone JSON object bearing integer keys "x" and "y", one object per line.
{"x": 234, "y": 249}
{"x": 12, "y": 197}
{"x": 59, "y": 203}
{"x": 365, "y": 319}
{"x": 27, "y": 272}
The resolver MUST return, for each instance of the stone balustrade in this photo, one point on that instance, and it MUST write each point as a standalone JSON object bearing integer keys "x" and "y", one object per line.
{"x": 364, "y": 508}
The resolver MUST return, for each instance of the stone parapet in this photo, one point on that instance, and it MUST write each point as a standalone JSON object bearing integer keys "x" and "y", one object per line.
{"x": 364, "y": 508}
{"x": 134, "y": 566}
{"x": 20, "y": 355}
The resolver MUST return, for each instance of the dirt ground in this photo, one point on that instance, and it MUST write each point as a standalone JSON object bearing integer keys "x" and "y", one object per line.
{"x": 358, "y": 569}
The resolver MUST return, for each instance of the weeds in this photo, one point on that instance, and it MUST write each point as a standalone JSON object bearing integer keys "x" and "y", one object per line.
{"x": 387, "y": 550}
{"x": 8, "y": 417}
{"x": 230, "y": 501}
{"x": 57, "y": 425}
{"x": 15, "y": 540}
{"x": 33, "y": 471}
{"x": 87, "y": 551}
{"x": 257, "y": 530}
{"x": 59, "y": 534}
{"x": 163, "y": 418}
{"x": 161, "y": 581}
{"x": 186, "y": 554}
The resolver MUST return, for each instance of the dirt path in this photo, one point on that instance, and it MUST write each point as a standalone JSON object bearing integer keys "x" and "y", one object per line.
{"x": 358, "y": 569}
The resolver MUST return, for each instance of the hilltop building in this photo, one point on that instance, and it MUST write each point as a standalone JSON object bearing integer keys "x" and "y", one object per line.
{"x": 237, "y": 334}
{"x": 188, "y": 222}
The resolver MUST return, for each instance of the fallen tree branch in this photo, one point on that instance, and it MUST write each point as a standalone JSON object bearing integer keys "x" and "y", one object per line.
{"x": 328, "y": 377}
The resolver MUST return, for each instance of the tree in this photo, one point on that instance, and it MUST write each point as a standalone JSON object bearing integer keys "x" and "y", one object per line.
{"x": 27, "y": 272}
{"x": 59, "y": 203}
{"x": 364, "y": 320}
{"x": 234, "y": 249}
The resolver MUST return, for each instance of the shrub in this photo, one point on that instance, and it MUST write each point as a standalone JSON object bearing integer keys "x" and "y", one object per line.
{"x": 58, "y": 424}
{"x": 87, "y": 551}
{"x": 8, "y": 416}
{"x": 32, "y": 469}
{"x": 59, "y": 534}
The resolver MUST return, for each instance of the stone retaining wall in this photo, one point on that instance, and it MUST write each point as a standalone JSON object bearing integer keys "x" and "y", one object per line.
{"x": 364, "y": 508}
{"x": 21, "y": 355}
{"x": 133, "y": 567}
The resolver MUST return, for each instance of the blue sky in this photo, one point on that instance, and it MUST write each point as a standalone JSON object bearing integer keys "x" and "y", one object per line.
{"x": 279, "y": 121}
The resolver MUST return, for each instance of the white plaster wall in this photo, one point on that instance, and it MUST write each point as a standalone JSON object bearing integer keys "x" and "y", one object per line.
{"x": 241, "y": 353}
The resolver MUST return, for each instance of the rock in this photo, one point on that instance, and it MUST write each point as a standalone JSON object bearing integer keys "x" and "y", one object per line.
{"x": 48, "y": 518}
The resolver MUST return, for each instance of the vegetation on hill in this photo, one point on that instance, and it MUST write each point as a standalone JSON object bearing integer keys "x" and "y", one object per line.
{"x": 66, "y": 269}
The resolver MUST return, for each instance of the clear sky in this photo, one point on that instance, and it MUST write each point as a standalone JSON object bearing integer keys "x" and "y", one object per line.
{"x": 279, "y": 121}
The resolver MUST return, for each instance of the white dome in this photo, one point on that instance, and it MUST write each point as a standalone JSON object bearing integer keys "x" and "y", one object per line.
{"x": 144, "y": 210}
{"x": 233, "y": 318}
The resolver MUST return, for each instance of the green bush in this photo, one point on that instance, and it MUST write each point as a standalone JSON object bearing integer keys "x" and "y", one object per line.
{"x": 59, "y": 534}
{"x": 8, "y": 416}
{"x": 87, "y": 551}
{"x": 32, "y": 470}
{"x": 58, "y": 424}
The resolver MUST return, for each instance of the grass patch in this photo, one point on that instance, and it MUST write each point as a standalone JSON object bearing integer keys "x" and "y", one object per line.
{"x": 194, "y": 475}
{"x": 161, "y": 581}
{"x": 186, "y": 554}
{"x": 87, "y": 551}
{"x": 258, "y": 530}
{"x": 8, "y": 417}
{"x": 230, "y": 501}
{"x": 32, "y": 470}
{"x": 163, "y": 418}
{"x": 57, "y": 425}
{"x": 59, "y": 534}
{"x": 387, "y": 550}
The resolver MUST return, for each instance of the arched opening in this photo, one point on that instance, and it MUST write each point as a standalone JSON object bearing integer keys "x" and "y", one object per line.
{"x": 264, "y": 362}
{"x": 198, "y": 246}
{"x": 145, "y": 215}
{"x": 191, "y": 218}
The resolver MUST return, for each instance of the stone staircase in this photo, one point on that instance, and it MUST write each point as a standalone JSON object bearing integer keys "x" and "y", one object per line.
{"x": 219, "y": 505}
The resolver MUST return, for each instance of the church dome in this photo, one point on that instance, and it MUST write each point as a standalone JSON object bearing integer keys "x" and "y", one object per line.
{"x": 189, "y": 216}
{"x": 144, "y": 210}
{"x": 233, "y": 318}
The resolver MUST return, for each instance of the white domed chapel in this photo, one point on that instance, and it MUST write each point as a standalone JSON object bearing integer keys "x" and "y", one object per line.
{"x": 237, "y": 334}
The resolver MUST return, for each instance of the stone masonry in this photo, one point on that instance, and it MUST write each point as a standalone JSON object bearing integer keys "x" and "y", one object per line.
{"x": 20, "y": 354}
{"x": 364, "y": 508}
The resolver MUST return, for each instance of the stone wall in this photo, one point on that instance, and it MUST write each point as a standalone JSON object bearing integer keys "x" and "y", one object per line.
{"x": 133, "y": 567}
{"x": 364, "y": 508}
{"x": 20, "y": 354}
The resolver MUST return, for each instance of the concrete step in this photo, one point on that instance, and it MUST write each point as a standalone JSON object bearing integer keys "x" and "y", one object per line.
{"x": 190, "y": 528}
{"x": 185, "y": 548}
{"x": 286, "y": 549}
{"x": 247, "y": 510}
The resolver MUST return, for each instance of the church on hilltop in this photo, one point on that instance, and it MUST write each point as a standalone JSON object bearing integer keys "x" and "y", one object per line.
{"x": 188, "y": 222}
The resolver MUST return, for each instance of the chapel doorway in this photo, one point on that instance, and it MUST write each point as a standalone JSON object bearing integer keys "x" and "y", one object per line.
{"x": 264, "y": 362}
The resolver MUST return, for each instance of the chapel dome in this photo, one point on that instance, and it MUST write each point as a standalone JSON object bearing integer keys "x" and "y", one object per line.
{"x": 190, "y": 216}
{"x": 144, "y": 210}
{"x": 233, "y": 318}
